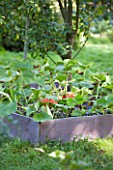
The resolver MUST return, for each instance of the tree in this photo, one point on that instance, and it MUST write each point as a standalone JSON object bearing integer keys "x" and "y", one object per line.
{"x": 78, "y": 15}
{"x": 66, "y": 8}
{"x": 30, "y": 25}
{"x": 36, "y": 25}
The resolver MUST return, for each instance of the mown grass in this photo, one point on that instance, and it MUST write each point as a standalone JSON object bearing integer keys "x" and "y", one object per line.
{"x": 100, "y": 55}
{"x": 82, "y": 154}
{"x": 95, "y": 155}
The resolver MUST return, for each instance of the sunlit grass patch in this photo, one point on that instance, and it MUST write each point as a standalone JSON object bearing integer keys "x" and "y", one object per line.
{"x": 105, "y": 145}
{"x": 100, "y": 55}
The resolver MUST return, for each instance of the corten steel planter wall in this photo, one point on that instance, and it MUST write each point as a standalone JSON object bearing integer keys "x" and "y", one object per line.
{"x": 65, "y": 129}
{"x": 22, "y": 127}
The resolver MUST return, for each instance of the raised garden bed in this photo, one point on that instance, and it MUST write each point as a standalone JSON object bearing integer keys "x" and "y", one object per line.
{"x": 65, "y": 129}
{"x": 68, "y": 99}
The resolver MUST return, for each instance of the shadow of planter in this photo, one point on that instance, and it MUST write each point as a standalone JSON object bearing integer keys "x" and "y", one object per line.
{"x": 65, "y": 129}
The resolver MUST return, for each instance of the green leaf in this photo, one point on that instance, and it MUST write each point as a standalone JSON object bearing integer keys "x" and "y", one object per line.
{"x": 44, "y": 115}
{"x": 41, "y": 117}
{"x": 6, "y": 108}
{"x": 77, "y": 113}
{"x": 68, "y": 63}
{"x": 71, "y": 102}
{"x": 108, "y": 86}
{"x": 64, "y": 107}
{"x": 60, "y": 67}
{"x": 30, "y": 110}
{"x": 86, "y": 84}
{"x": 101, "y": 102}
{"x": 109, "y": 100}
{"x": 23, "y": 66}
{"x": 108, "y": 79}
{"x": 79, "y": 99}
{"x": 82, "y": 65}
{"x": 61, "y": 77}
{"x": 47, "y": 88}
{"x": 55, "y": 57}
{"x": 35, "y": 94}
{"x": 6, "y": 79}
{"x": 40, "y": 80}
{"x": 49, "y": 112}
{"x": 99, "y": 77}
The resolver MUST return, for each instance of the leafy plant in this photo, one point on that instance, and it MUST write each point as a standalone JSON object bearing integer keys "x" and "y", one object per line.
{"x": 65, "y": 89}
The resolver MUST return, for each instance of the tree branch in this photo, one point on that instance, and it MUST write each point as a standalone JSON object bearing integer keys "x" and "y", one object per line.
{"x": 62, "y": 10}
{"x": 77, "y": 15}
{"x": 70, "y": 13}
{"x": 80, "y": 49}
{"x": 65, "y": 8}
{"x": 26, "y": 38}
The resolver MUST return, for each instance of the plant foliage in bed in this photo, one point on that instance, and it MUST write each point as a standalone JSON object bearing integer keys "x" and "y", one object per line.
{"x": 65, "y": 89}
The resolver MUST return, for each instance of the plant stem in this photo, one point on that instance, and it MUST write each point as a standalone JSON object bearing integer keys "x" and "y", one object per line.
{"x": 6, "y": 95}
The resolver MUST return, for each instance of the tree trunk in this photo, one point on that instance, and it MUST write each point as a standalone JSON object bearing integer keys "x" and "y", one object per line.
{"x": 26, "y": 39}
{"x": 66, "y": 9}
{"x": 70, "y": 41}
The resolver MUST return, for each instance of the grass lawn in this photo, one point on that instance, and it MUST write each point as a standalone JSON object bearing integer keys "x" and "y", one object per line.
{"x": 82, "y": 154}
{"x": 100, "y": 55}
{"x": 92, "y": 155}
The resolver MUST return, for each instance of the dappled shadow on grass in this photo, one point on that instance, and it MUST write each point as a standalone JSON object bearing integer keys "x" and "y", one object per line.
{"x": 15, "y": 154}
